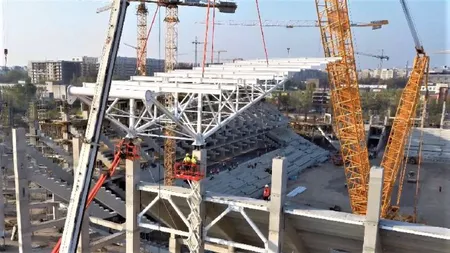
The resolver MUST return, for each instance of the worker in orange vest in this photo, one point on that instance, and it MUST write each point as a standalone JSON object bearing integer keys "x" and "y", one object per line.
{"x": 266, "y": 192}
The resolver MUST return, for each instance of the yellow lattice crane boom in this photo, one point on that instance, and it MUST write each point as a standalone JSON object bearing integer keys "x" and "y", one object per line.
{"x": 403, "y": 121}
{"x": 337, "y": 41}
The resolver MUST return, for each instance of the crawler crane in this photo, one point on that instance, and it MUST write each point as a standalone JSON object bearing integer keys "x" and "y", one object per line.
{"x": 337, "y": 42}
{"x": 89, "y": 148}
{"x": 403, "y": 121}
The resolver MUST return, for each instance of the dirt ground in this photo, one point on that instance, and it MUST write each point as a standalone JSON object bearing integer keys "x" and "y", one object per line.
{"x": 326, "y": 188}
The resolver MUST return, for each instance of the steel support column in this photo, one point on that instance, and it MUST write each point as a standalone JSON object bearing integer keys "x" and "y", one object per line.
{"x": 195, "y": 201}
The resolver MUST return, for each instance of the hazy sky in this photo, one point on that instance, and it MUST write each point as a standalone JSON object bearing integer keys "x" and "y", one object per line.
{"x": 61, "y": 29}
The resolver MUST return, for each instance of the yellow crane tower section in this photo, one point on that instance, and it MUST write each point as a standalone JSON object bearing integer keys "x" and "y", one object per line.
{"x": 337, "y": 41}
{"x": 403, "y": 121}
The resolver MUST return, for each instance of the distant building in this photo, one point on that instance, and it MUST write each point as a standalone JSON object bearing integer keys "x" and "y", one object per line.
{"x": 64, "y": 71}
{"x": 57, "y": 71}
{"x": 372, "y": 87}
{"x": 126, "y": 66}
{"x": 383, "y": 74}
{"x": 439, "y": 76}
{"x": 436, "y": 90}
{"x": 89, "y": 65}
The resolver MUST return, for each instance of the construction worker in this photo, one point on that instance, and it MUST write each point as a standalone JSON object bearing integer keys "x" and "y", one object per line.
{"x": 186, "y": 162}
{"x": 194, "y": 160}
{"x": 194, "y": 163}
{"x": 266, "y": 193}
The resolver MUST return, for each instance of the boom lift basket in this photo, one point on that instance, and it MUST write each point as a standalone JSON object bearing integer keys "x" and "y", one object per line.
{"x": 127, "y": 149}
{"x": 189, "y": 171}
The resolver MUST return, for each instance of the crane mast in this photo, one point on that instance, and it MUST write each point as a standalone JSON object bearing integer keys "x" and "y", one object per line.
{"x": 88, "y": 154}
{"x": 403, "y": 121}
{"x": 337, "y": 41}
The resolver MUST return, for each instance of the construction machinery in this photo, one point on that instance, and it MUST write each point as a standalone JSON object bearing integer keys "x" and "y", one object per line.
{"x": 90, "y": 146}
{"x": 334, "y": 25}
{"x": 404, "y": 118}
{"x": 381, "y": 57}
{"x": 336, "y": 37}
{"x": 295, "y": 23}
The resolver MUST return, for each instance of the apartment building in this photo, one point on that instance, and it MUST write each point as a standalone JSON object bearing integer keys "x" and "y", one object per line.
{"x": 64, "y": 71}
{"x": 383, "y": 74}
{"x": 56, "y": 71}
{"x": 126, "y": 66}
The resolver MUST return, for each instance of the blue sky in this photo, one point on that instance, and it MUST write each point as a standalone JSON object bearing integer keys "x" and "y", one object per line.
{"x": 60, "y": 29}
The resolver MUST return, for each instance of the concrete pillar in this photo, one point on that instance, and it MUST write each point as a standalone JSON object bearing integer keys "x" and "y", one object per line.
{"x": 65, "y": 132}
{"x": 132, "y": 202}
{"x": 55, "y": 209}
{"x": 2, "y": 199}
{"x": 174, "y": 244}
{"x": 83, "y": 243}
{"x": 84, "y": 111}
{"x": 372, "y": 242}
{"x": 33, "y": 123}
{"x": 22, "y": 193}
{"x": 277, "y": 195}
{"x": 76, "y": 148}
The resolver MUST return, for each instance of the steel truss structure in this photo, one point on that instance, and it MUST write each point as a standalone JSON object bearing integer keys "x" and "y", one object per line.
{"x": 201, "y": 105}
{"x": 167, "y": 193}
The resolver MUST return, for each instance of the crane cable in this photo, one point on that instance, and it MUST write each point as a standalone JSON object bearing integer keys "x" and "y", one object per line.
{"x": 95, "y": 189}
{"x": 262, "y": 32}
{"x": 205, "y": 43}
{"x": 141, "y": 53}
{"x": 213, "y": 31}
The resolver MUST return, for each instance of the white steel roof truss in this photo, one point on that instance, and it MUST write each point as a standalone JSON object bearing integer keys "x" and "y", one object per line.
{"x": 202, "y": 105}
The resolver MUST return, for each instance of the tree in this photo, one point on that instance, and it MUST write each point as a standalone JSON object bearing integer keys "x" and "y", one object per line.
{"x": 302, "y": 101}
{"x": 14, "y": 76}
{"x": 19, "y": 96}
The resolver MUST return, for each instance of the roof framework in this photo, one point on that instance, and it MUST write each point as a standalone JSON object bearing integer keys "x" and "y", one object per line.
{"x": 204, "y": 102}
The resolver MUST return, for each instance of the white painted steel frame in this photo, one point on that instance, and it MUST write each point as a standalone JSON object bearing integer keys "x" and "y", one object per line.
{"x": 202, "y": 104}
{"x": 233, "y": 206}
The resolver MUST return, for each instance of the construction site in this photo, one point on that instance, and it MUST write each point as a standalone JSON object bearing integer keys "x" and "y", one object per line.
{"x": 181, "y": 161}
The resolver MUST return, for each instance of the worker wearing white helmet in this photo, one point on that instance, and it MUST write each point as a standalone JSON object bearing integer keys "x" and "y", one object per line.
{"x": 266, "y": 192}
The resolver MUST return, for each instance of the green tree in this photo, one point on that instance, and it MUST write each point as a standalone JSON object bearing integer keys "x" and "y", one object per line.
{"x": 14, "y": 76}
{"x": 19, "y": 96}
{"x": 302, "y": 101}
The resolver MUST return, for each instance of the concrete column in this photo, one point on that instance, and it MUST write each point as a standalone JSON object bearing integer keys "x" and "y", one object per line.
{"x": 55, "y": 209}
{"x": 65, "y": 133}
{"x": 372, "y": 242}
{"x": 84, "y": 111}
{"x": 76, "y": 148}
{"x": 174, "y": 244}
{"x": 83, "y": 243}
{"x": 33, "y": 123}
{"x": 132, "y": 202}
{"x": 277, "y": 195}
{"x": 2, "y": 199}
{"x": 22, "y": 193}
